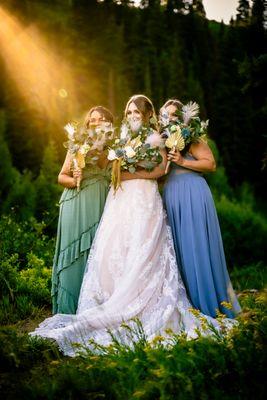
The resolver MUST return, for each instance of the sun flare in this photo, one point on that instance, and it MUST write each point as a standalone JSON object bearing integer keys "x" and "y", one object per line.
{"x": 42, "y": 78}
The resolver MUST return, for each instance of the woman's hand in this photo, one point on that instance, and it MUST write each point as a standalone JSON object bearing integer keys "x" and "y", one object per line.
{"x": 203, "y": 160}
{"x": 77, "y": 174}
{"x": 176, "y": 157}
{"x": 67, "y": 177}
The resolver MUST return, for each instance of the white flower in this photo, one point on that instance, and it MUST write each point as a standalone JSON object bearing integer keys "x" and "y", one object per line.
{"x": 84, "y": 149}
{"x": 124, "y": 131}
{"x": 204, "y": 125}
{"x": 112, "y": 155}
{"x": 164, "y": 118}
{"x": 70, "y": 129}
{"x": 190, "y": 111}
{"x": 106, "y": 126}
{"x": 134, "y": 143}
{"x": 98, "y": 129}
{"x": 90, "y": 133}
{"x": 129, "y": 151}
{"x": 98, "y": 144}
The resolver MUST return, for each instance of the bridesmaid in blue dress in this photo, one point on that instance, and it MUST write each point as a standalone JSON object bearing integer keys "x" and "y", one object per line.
{"x": 195, "y": 227}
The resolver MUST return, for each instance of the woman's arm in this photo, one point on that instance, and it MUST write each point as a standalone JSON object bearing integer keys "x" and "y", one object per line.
{"x": 204, "y": 162}
{"x": 65, "y": 177}
{"x": 157, "y": 172}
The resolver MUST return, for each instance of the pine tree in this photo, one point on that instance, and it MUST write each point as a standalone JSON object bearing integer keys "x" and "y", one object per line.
{"x": 257, "y": 29}
{"x": 47, "y": 187}
{"x": 198, "y": 7}
{"x": 194, "y": 89}
{"x": 17, "y": 191}
{"x": 258, "y": 13}
{"x": 243, "y": 12}
{"x": 149, "y": 3}
{"x": 22, "y": 197}
{"x": 176, "y": 82}
{"x": 8, "y": 173}
{"x": 175, "y": 5}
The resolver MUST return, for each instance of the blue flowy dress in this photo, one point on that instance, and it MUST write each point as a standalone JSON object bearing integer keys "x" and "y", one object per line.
{"x": 198, "y": 242}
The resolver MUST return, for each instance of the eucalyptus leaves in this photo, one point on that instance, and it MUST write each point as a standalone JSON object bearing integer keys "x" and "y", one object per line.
{"x": 134, "y": 149}
{"x": 86, "y": 144}
{"x": 185, "y": 129}
{"x": 138, "y": 145}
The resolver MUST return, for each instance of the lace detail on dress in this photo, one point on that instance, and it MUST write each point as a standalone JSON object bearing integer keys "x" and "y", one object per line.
{"x": 131, "y": 273}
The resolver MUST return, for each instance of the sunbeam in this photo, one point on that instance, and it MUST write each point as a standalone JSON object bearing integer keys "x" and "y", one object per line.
{"x": 42, "y": 78}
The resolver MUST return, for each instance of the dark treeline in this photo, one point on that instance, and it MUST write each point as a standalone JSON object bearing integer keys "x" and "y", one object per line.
{"x": 162, "y": 49}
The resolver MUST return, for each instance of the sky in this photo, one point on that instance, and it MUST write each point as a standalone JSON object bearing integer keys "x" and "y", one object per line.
{"x": 220, "y": 9}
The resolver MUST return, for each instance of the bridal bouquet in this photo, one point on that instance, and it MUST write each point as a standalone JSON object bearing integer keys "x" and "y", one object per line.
{"x": 86, "y": 144}
{"x": 135, "y": 148}
{"x": 188, "y": 128}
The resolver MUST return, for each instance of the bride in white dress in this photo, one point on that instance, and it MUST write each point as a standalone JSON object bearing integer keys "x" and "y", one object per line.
{"x": 131, "y": 271}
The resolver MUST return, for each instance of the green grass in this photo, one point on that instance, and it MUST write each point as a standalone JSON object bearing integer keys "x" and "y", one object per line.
{"x": 230, "y": 367}
{"x": 250, "y": 277}
{"x": 205, "y": 368}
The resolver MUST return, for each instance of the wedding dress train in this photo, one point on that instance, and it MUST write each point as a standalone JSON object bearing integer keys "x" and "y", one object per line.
{"x": 131, "y": 273}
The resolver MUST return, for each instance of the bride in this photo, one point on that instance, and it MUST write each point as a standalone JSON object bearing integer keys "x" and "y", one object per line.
{"x": 131, "y": 271}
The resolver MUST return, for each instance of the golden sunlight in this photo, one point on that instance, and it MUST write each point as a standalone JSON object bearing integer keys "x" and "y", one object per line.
{"x": 42, "y": 78}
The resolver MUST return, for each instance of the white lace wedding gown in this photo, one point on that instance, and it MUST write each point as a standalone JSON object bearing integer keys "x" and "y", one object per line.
{"x": 131, "y": 273}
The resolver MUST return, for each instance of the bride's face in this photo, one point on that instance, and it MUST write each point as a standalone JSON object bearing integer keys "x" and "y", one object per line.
{"x": 133, "y": 113}
{"x": 96, "y": 119}
{"x": 171, "y": 110}
{"x": 134, "y": 117}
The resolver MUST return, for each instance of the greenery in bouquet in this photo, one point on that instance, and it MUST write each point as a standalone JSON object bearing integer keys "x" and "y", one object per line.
{"x": 136, "y": 148}
{"x": 86, "y": 145}
{"x": 185, "y": 129}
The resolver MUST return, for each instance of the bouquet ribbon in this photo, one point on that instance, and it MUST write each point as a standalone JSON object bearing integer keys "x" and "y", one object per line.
{"x": 116, "y": 174}
{"x": 79, "y": 163}
{"x": 169, "y": 162}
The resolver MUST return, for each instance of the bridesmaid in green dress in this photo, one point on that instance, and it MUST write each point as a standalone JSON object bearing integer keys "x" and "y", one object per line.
{"x": 79, "y": 216}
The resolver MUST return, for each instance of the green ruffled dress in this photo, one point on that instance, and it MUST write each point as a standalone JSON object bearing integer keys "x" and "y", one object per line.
{"x": 79, "y": 216}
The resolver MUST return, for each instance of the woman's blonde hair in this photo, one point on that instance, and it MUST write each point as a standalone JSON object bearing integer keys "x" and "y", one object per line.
{"x": 172, "y": 102}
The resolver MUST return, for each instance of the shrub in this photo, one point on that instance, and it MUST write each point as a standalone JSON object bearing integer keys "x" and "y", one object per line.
{"x": 23, "y": 238}
{"x": 244, "y": 232}
{"x": 35, "y": 281}
{"x": 21, "y": 197}
{"x": 23, "y": 291}
{"x": 249, "y": 277}
{"x": 48, "y": 189}
{"x": 218, "y": 181}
